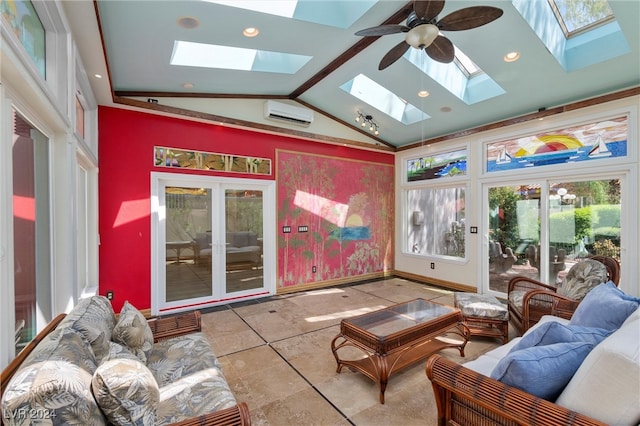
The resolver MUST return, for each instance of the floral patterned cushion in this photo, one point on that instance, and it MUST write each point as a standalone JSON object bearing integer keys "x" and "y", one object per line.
{"x": 126, "y": 392}
{"x": 190, "y": 378}
{"x": 194, "y": 395}
{"x": 516, "y": 297}
{"x": 118, "y": 351}
{"x": 582, "y": 277}
{"x": 180, "y": 356}
{"x": 94, "y": 319}
{"x": 64, "y": 344}
{"x": 54, "y": 383}
{"x": 133, "y": 331}
{"x": 475, "y": 305}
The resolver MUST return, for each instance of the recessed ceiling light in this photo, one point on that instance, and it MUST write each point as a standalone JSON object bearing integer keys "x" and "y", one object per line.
{"x": 445, "y": 109}
{"x": 187, "y": 85}
{"x": 250, "y": 32}
{"x": 511, "y": 57}
{"x": 188, "y": 22}
{"x": 97, "y": 75}
{"x": 423, "y": 93}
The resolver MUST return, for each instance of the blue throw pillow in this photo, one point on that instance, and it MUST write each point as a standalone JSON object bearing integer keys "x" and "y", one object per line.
{"x": 542, "y": 371}
{"x": 606, "y": 306}
{"x": 554, "y": 332}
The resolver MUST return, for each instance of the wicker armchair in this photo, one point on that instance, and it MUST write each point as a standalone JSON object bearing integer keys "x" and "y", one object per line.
{"x": 542, "y": 299}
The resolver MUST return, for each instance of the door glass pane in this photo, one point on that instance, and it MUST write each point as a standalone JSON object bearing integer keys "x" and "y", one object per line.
{"x": 584, "y": 220}
{"x": 188, "y": 243}
{"x": 31, "y": 230}
{"x": 243, "y": 240}
{"x": 514, "y": 234}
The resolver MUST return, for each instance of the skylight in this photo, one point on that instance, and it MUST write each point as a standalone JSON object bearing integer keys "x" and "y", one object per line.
{"x": 595, "y": 38}
{"x": 234, "y": 58}
{"x": 367, "y": 90}
{"x": 466, "y": 64}
{"x": 335, "y": 13}
{"x": 462, "y": 77}
{"x": 576, "y": 16}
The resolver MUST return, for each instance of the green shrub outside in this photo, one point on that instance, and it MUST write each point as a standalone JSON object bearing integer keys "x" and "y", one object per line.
{"x": 596, "y": 221}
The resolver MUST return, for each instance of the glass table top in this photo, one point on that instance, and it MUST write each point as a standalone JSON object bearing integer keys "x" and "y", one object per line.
{"x": 399, "y": 317}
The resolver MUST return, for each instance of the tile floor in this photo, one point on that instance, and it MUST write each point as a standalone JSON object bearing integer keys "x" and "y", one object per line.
{"x": 276, "y": 356}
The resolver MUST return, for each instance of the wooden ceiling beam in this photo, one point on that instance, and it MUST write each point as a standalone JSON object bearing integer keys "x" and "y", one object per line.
{"x": 365, "y": 42}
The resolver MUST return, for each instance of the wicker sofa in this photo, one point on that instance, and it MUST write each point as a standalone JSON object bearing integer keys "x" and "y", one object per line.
{"x": 603, "y": 388}
{"x": 89, "y": 367}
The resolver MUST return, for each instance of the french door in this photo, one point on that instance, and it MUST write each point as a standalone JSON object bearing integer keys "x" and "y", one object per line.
{"x": 542, "y": 228}
{"x": 208, "y": 240}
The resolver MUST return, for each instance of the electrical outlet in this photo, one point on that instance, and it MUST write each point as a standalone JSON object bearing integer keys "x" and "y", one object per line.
{"x": 433, "y": 265}
{"x": 110, "y": 295}
{"x": 303, "y": 228}
{"x": 286, "y": 229}
{"x": 314, "y": 269}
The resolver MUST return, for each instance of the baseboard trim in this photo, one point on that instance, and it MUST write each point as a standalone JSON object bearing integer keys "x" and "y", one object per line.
{"x": 332, "y": 283}
{"x": 437, "y": 282}
{"x": 448, "y": 285}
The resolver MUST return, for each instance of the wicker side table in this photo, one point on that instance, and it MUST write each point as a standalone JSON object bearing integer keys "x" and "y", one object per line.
{"x": 485, "y": 315}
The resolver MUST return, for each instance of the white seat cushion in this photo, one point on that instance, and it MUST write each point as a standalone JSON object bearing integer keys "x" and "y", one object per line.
{"x": 606, "y": 385}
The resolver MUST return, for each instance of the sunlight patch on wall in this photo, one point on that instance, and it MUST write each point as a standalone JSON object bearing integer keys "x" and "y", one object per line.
{"x": 130, "y": 211}
{"x": 329, "y": 210}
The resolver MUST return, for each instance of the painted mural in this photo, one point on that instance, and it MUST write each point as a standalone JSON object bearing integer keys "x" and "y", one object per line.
{"x": 587, "y": 142}
{"x": 200, "y": 160}
{"x": 340, "y": 216}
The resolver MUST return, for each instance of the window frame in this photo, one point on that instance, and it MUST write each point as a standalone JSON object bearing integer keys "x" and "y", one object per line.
{"x": 407, "y": 223}
{"x": 31, "y": 94}
{"x": 461, "y": 181}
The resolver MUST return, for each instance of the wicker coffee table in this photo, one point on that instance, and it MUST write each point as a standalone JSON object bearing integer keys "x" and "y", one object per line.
{"x": 398, "y": 336}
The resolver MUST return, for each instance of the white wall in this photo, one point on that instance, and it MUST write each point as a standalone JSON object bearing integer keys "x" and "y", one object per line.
{"x": 472, "y": 272}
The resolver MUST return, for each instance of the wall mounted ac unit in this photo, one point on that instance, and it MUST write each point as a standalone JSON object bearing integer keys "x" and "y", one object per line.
{"x": 291, "y": 114}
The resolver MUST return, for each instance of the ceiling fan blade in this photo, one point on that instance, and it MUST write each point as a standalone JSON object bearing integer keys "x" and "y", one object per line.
{"x": 383, "y": 30}
{"x": 428, "y": 10}
{"x": 441, "y": 50}
{"x": 469, "y": 17}
{"x": 393, "y": 55}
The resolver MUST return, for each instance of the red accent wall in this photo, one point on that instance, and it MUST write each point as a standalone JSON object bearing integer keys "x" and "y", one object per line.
{"x": 126, "y": 159}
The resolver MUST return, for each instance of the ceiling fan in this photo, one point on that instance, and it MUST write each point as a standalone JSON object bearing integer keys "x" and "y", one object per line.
{"x": 423, "y": 29}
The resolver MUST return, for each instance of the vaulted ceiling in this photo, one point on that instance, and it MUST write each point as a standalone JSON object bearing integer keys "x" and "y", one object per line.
{"x": 132, "y": 42}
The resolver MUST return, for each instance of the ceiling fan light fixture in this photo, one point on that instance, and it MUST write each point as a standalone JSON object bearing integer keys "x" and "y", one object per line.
{"x": 422, "y": 36}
